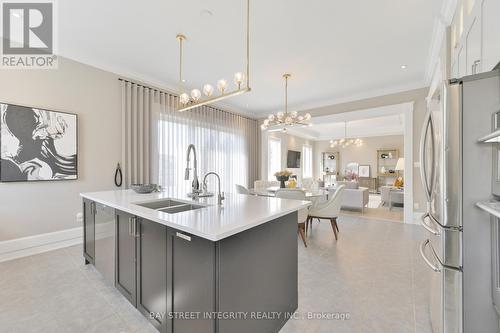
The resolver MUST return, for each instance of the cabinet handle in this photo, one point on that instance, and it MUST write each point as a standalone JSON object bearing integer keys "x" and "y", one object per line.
{"x": 185, "y": 237}
{"x": 130, "y": 226}
{"x": 134, "y": 226}
{"x": 474, "y": 66}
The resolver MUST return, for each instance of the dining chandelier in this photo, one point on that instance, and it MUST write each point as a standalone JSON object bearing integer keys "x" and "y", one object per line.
{"x": 345, "y": 141}
{"x": 282, "y": 120}
{"x": 241, "y": 80}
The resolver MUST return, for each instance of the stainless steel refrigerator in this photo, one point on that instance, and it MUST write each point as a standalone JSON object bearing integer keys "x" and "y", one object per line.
{"x": 456, "y": 173}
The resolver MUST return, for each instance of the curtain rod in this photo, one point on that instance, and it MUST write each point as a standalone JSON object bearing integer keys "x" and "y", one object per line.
{"x": 175, "y": 95}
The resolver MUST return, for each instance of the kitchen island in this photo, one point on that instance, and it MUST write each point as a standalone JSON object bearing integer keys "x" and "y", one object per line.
{"x": 191, "y": 265}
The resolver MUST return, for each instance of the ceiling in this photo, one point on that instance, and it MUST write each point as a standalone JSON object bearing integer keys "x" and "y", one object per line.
{"x": 379, "y": 121}
{"x": 334, "y": 49}
{"x": 360, "y": 128}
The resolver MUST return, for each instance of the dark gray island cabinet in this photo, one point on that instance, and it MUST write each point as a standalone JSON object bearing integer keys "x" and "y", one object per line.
{"x": 184, "y": 283}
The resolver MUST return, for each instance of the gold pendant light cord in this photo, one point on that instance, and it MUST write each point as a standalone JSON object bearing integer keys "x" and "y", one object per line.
{"x": 181, "y": 39}
{"x": 286, "y": 96}
{"x": 248, "y": 43}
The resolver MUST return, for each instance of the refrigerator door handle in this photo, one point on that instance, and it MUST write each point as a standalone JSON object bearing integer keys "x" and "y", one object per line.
{"x": 435, "y": 232}
{"x": 436, "y": 268}
{"x": 423, "y": 158}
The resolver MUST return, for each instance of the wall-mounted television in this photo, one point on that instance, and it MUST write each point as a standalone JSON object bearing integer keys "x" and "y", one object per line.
{"x": 293, "y": 159}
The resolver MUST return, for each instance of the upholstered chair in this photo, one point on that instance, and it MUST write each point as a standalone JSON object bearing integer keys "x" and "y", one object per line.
{"x": 329, "y": 210}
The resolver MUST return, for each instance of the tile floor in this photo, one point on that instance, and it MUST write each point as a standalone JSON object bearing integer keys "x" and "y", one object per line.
{"x": 372, "y": 272}
{"x": 377, "y": 211}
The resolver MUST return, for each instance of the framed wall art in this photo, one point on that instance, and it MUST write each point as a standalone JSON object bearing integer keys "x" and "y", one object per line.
{"x": 37, "y": 144}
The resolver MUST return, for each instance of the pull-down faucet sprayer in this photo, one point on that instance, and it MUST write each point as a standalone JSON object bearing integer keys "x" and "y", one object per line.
{"x": 195, "y": 185}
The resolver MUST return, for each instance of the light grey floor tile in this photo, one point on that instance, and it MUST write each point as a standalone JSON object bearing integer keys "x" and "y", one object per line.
{"x": 372, "y": 274}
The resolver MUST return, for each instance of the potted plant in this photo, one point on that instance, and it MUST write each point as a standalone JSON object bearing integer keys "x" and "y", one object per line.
{"x": 282, "y": 177}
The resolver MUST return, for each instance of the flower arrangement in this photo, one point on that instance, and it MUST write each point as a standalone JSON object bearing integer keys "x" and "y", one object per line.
{"x": 282, "y": 177}
{"x": 351, "y": 175}
{"x": 283, "y": 173}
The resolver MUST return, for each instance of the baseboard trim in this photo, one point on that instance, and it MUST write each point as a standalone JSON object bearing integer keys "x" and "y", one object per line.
{"x": 27, "y": 246}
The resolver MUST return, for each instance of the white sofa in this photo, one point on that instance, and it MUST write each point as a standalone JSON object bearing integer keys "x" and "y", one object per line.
{"x": 354, "y": 196}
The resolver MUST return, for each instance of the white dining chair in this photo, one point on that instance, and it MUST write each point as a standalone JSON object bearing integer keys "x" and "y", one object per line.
{"x": 240, "y": 189}
{"x": 329, "y": 210}
{"x": 307, "y": 183}
{"x": 296, "y": 194}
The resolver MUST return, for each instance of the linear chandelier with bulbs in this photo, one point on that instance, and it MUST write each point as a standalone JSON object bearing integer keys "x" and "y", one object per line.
{"x": 241, "y": 80}
{"x": 345, "y": 141}
{"x": 282, "y": 120}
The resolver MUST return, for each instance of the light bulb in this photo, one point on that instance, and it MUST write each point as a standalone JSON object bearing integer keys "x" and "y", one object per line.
{"x": 262, "y": 127}
{"x": 300, "y": 118}
{"x": 341, "y": 141}
{"x": 280, "y": 115}
{"x": 195, "y": 95}
{"x": 266, "y": 122}
{"x": 288, "y": 120}
{"x": 184, "y": 98}
{"x": 271, "y": 117}
{"x": 239, "y": 78}
{"x": 222, "y": 85}
{"x": 208, "y": 90}
{"x": 331, "y": 141}
{"x": 307, "y": 116}
{"x": 294, "y": 114}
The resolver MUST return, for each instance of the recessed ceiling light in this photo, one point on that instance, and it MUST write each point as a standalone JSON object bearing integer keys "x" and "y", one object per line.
{"x": 206, "y": 13}
{"x": 403, "y": 66}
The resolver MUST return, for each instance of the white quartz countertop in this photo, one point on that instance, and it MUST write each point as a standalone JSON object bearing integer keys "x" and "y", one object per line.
{"x": 490, "y": 206}
{"x": 238, "y": 212}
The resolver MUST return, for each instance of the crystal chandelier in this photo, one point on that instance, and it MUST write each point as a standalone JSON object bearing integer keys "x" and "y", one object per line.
{"x": 241, "y": 80}
{"x": 282, "y": 120}
{"x": 345, "y": 141}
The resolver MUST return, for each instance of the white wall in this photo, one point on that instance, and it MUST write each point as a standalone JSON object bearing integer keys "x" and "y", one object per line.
{"x": 364, "y": 155}
{"x": 40, "y": 207}
{"x": 288, "y": 142}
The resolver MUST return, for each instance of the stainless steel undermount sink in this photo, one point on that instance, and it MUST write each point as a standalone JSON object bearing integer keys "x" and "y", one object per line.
{"x": 180, "y": 208}
{"x": 170, "y": 206}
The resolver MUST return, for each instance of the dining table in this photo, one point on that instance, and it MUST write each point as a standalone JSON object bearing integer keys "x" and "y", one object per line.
{"x": 311, "y": 194}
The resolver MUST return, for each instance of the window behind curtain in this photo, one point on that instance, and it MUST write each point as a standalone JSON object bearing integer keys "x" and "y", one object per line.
{"x": 217, "y": 150}
{"x": 307, "y": 161}
{"x": 273, "y": 157}
{"x": 225, "y": 143}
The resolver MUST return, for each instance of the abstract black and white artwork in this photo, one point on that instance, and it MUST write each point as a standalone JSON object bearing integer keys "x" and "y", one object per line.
{"x": 37, "y": 144}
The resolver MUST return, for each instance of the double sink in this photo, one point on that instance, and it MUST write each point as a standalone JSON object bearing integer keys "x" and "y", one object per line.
{"x": 170, "y": 206}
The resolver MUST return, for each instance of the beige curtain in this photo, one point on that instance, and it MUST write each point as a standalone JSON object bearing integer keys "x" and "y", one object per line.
{"x": 137, "y": 105}
{"x": 155, "y": 138}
